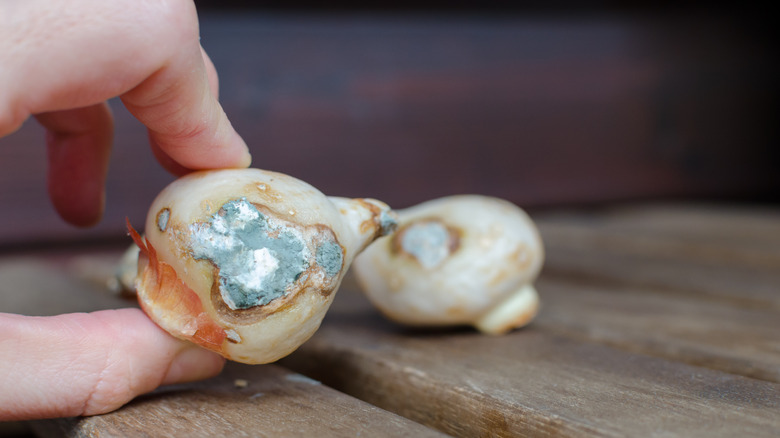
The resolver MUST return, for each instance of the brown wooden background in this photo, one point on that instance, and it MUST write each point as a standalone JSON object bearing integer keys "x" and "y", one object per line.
{"x": 541, "y": 108}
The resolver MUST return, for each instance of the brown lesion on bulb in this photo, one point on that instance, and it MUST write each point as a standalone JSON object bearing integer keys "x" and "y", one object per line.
{"x": 266, "y": 192}
{"x": 278, "y": 305}
{"x": 381, "y": 222}
{"x": 370, "y": 223}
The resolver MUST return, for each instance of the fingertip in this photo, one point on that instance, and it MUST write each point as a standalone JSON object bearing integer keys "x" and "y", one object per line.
{"x": 180, "y": 107}
{"x": 232, "y": 153}
{"x": 223, "y": 149}
{"x": 244, "y": 157}
{"x": 228, "y": 150}
{"x": 193, "y": 363}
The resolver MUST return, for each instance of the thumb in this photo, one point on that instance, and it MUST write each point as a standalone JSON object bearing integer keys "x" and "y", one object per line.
{"x": 89, "y": 363}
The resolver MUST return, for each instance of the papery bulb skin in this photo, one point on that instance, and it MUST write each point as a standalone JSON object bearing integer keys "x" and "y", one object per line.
{"x": 246, "y": 262}
{"x": 459, "y": 260}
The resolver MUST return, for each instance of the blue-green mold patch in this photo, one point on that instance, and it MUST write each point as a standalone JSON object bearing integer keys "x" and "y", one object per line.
{"x": 330, "y": 257}
{"x": 428, "y": 242}
{"x": 257, "y": 261}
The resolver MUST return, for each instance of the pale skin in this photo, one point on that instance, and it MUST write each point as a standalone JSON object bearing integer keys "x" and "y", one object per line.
{"x": 59, "y": 62}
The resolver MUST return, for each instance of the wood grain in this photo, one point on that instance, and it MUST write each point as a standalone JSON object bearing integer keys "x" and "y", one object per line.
{"x": 745, "y": 274}
{"x": 35, "y": 287}
{"x": 655, "y": 320}
{"x": 712, "y": 334}
{"x": 745, "y": 227}
{"x": 257, "y": 401}
{"x": 528, "y": 383}
{"x": 674, "y": 286}
{"x": 275, "y": 402}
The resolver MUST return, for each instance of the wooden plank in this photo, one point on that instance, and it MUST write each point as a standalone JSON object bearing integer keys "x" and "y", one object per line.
{"x": 37, "y": 287}
{"x": 743, "y": 227}
{"x": 527, "y": 383}
{"x": 745, "y": 276}
{"x": 651, "y": 294}
{"x": 668, "y": 247}
{"x": 694, "y": 283}
{"x": 274, "y": 401}
{"x": 258, "y": 401}
{"x": 688, "y": 329}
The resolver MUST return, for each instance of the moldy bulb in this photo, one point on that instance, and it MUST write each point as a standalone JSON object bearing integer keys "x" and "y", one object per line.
{"x": 246, "y": 262}
{"x": 464, "y": 259}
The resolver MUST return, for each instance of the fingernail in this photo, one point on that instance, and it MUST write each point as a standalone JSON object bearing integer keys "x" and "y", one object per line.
{"x": 193, "y": 363}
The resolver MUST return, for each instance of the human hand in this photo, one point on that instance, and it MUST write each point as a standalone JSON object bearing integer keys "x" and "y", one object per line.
{"x": 89, "y": 363}
{"x": 60, "y": 61}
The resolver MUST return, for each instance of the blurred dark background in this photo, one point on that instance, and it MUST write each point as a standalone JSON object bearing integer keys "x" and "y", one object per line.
{"x": 544, "y": 104}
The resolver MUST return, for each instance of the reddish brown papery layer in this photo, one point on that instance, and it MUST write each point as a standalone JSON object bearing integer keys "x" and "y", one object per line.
{"x": 171, "y": 296}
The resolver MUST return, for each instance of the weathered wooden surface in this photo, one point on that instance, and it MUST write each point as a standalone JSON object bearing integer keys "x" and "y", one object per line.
{"x": 728, "y": 255}
{"x": 709, "y": 333}
{"x": 530, "y": 382}
{"x": 252, "y": 401}
{"x": 262, "y": 401}
{"x": 674, "y": 286}
{"x": 751, "y": 227}
{"x": 30, "y": 286}
{"x": 656, "y": 320}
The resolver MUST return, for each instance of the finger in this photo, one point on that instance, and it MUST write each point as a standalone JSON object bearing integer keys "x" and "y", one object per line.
{"x": 185, "y": 120}
{"x": 146, "y": 52}
{"x": 89, "y": 363}
{"x": 164, "y": 159}
{"x": 79, "y": 147}
{"x": 211, "y": 72}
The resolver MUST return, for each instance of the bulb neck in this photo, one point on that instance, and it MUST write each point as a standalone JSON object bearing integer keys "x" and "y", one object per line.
{"x": 368, "y": 219}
